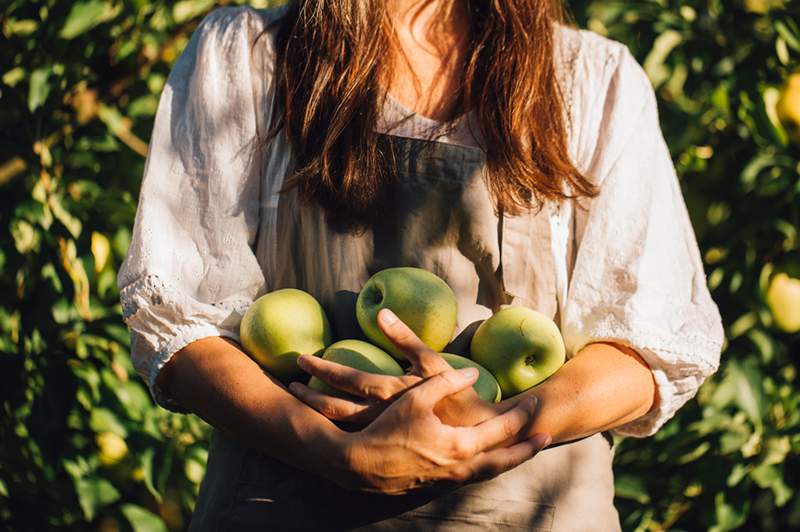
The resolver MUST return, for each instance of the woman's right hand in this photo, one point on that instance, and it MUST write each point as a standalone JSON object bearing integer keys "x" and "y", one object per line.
{"x": 407, "y": 446}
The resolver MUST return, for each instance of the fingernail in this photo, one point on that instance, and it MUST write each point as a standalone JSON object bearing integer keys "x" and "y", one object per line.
{"x": 533, "y": 402}
{"x": 543, "y": 440}
{"x": 468, "y": 373}
{"x": 293, "y": 387}
{"x": 388, "y": 317}
{"x": 301, "y": 361}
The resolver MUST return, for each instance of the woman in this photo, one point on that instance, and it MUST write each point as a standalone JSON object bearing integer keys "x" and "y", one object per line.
{"x": 517, "y": 158}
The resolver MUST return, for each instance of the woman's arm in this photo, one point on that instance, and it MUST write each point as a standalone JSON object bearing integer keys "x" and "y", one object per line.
{"x": 213, "y": 378}
{"x": 604, "y": 386}
{"x": 405, "y": 448}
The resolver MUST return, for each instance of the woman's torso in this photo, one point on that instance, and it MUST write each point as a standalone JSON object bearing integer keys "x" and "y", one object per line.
{"x": 439, "y": 216}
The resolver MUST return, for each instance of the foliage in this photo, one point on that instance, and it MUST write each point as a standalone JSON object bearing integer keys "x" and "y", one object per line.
{"x": 729, "y": 459}
{"x": 79, "y": 88}
{"x": 79, "y": 85}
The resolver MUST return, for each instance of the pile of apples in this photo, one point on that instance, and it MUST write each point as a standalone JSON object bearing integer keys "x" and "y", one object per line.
{"x": 513, "y": 350}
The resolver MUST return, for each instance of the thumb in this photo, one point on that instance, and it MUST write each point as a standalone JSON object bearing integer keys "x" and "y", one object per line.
{"x": 422, "y": 358}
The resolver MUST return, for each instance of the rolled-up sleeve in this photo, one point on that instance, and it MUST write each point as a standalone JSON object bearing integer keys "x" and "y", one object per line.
{"x": 190, "y": 271}
{"x": 638, "y": 277}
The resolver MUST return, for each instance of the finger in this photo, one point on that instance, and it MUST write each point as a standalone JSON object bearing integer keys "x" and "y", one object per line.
{"x": 428, "y": 393}
{"x": 498, "y": 429}
{"x": 490, "y": 464}
{"x": 353, "y": 381}
{"x": 335, "y": 408}
{"x": 421, "y": 357}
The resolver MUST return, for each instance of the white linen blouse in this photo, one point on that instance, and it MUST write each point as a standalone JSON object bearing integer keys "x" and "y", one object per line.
{"x": 627, "y": 265}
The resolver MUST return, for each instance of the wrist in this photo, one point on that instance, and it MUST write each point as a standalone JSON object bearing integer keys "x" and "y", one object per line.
{"x": 337, "y": 456}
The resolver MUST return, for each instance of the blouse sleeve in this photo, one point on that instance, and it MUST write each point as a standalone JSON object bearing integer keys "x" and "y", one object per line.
{"x": 638, "y": 277}
{"x": 190, "y": 271}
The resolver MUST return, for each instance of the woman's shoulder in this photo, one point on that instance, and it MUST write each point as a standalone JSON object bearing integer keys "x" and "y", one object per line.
{"x": 589, "y": 63}
{"x": 228, "y": 27}
{"x": 246, "y": 19}
{"x": 604, "y": 87}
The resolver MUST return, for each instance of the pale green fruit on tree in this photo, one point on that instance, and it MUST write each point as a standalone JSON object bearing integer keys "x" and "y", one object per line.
{"x": 422, "y": 300}
{"x": 521, "y": 347}
{"x": 282, "y": 325}
{"x": 762, "y": 6}
{"x": 788, "y": 107}
{"x": 113, "y": 448}
{"x": 357, "y": 355}
{"x": 486, "y": 386}
{"x": 783, "y": 298}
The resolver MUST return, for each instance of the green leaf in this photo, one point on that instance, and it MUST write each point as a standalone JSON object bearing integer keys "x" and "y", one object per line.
{"x": 104, "y": 420}
{"x": 631, "y": 487}
{"x": 133, "y": 398}
{"x": 142, "y": 520}
{"x": 84, "y": 16}
{"x": 654, "y": 64}
{"x": 771, "y": 477}
{"x": 69, "y": 221}
{"x": 728, "y": 516}
{"x": 787, "y": 28}
{"x": 147, "y": 461}
{"x": 95, "y": 493}
{"x": 189, "y": 9}
{"x": 39, "y": 88}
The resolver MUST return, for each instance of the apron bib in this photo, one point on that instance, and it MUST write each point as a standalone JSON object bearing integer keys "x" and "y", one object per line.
{"x": 438, "y": 216}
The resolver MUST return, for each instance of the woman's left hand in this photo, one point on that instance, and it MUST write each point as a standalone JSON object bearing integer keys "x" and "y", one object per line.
{"x": 374, "y": 392}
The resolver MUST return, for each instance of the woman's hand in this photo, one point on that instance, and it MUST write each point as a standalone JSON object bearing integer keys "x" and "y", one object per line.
{"x": 376, "y": 392}
{"x": 407, "y": 446}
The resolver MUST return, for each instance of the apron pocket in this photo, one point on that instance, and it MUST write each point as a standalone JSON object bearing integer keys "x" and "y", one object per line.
{"x": 529, "y": 274}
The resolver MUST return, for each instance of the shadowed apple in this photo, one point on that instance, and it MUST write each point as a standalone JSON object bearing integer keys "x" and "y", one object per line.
{"x": 357, "y": 355}
{"x": 282, "y": 325}
{"x": 783, "y": 298}
{"x": 418, "y": 297}
{"x": 521, "y": 347}
{"x": 486, "y": 386}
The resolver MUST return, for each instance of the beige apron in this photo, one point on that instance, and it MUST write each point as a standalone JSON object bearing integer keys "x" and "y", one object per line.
{"x": 439, "y": 216}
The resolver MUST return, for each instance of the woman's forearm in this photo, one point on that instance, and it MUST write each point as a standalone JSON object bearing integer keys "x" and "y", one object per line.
{"x": 405, "y": 448}
{"x": 213, "y": 378}
{"x": 602, "y": 387}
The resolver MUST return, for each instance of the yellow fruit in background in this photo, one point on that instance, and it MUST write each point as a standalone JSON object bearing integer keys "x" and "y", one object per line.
{"x": 101, "y": 249}
{"x": 783, "y": 298}
{"x": 788, "y": 107}
{"x": 138, "y": 474}
{"x": 170, "y": 511}
{"x": 113, "y": 448}
{"x": 762, "y": 6}
{"x": 194, "y": 471}
{"x": 108, "y": 523}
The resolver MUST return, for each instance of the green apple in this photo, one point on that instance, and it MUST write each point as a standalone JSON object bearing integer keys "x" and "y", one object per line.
{"x": 521, "y": 347}
{"x": 783, "y": 298}
{"x": 418, "y": 297}
{"x": 486, "y": 386}
{"x": 282, "y": 325}
{"x": 358, "y": 355}
{"x": 788, "y": 107}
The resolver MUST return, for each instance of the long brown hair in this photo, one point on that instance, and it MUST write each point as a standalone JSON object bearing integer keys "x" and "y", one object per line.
{"x": 328, "y": 100}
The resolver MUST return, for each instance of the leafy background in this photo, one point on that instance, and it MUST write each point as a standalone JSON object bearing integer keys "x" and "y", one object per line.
{"x": 81, "y": 444}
